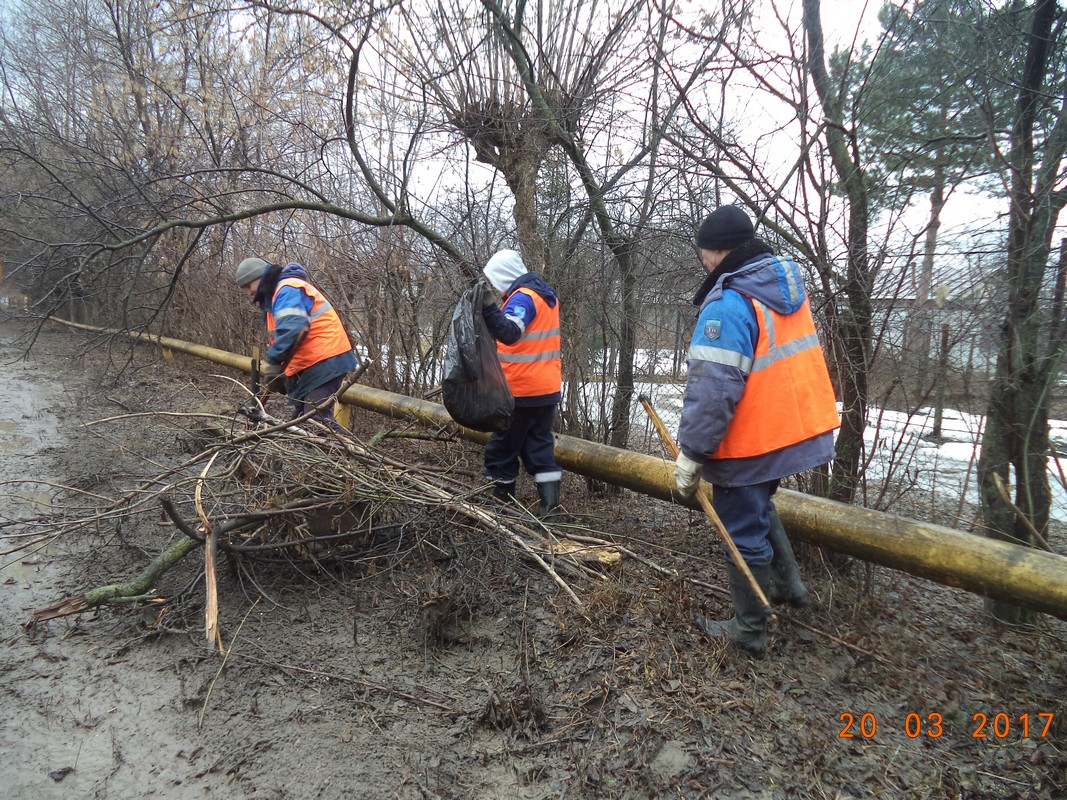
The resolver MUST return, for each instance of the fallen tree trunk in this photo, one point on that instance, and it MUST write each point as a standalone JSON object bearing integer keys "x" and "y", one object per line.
{"x": 988, "y": 567}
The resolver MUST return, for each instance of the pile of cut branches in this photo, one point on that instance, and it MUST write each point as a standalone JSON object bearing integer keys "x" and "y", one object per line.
{"x": 301, "y": 492}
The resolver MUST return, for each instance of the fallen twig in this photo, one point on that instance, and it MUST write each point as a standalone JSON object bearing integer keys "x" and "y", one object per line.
{"x": 1002, "y": 490}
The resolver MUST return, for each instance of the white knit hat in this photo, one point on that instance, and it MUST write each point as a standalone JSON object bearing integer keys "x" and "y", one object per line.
{"x": 504, "y": 268}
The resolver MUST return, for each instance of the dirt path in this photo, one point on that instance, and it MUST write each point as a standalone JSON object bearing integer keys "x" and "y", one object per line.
{"x": 82, "y": 716}
{"x": 334, "y": 686}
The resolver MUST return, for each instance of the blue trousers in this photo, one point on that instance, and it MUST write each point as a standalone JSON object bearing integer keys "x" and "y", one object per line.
{"x": 530, "y": 439}
{"x": 745, "y": 512}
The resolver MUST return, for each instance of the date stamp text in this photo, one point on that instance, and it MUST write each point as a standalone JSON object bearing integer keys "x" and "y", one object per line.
{"x": 932, "y": 725}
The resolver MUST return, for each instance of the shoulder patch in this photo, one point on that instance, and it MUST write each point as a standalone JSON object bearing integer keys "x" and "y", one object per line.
{"x": 712, "y": 328}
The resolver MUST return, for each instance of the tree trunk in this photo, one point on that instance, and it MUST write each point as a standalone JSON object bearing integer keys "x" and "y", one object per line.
{"x": 920, "y": 322}
{"x": 939, "y": 390}
{"x": 856, "y": 322}
{"x": 949, "y": 556}
{"x": 1016, "y": 432}
{"x": 622, "y": 402}
{"x": 523, "y": 184}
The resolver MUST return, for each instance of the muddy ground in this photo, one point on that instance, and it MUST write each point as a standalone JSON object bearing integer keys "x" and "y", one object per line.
{"x": 459, "y": 669}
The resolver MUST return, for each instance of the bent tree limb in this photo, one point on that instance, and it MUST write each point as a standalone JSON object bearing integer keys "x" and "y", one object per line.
{"x": 140, "y": 588}
{"x": 134, "y": 591}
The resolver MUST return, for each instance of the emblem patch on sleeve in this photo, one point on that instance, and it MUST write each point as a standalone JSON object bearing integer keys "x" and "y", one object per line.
{"x": 712, "y": 328}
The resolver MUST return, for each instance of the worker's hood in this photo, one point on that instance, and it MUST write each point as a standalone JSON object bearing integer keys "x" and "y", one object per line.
{"x": 273, "y": 275}
{"x": 776, "y": 281}
{"x": 534, "y": 283}
{"x": 294, "y": 270}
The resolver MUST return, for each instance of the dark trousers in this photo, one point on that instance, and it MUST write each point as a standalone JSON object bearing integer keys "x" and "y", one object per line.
{"x": 316, "y": 396}
{"x": 745, "y": 512}
{"x": 530, "y": 439}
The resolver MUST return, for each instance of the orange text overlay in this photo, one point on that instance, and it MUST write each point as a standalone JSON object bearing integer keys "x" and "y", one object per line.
{"x": 932, "y": 725}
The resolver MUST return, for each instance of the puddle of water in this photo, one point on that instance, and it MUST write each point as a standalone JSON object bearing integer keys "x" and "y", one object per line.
{"x": 20, "y": 572}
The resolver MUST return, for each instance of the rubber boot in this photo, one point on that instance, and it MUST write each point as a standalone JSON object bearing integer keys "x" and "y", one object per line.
{"x": 786, "y": 585}
{"x": 504, "y": 492}
{"x": 747, "y": 628}
{"x": 549, "y": 510}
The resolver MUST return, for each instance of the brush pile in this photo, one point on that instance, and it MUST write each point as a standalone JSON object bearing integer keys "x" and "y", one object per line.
{"x": 300, "y": 492}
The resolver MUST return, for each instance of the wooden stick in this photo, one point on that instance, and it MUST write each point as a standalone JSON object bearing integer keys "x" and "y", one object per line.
{"x": 1002, "y": 490}
{"x": 211, "y": 610}
{"x": 705, "y": 504}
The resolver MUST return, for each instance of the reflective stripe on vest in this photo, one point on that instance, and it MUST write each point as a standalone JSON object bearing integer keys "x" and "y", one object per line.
{"x": 788, "y": 396}
{"x": 533, "y": 365}
{"x": 326, "y": 336}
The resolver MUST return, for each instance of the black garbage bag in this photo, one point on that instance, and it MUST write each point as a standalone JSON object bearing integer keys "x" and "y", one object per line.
{"x": 475, "y": 392}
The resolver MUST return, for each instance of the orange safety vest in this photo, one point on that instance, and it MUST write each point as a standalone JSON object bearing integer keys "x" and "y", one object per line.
{"x": 533, "y": 365}
{"x": 788, "y": 396}
{"x": 325, "y": 338}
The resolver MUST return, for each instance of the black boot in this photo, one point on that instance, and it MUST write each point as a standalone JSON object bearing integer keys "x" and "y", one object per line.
{"x": 747, "y": 628}
{"x": 548, "y": 492}
{"x": 504, "y": 492}
{"x": 786, "y": 585}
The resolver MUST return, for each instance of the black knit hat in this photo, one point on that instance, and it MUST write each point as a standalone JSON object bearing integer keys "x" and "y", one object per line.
{"x": 724, "y": 229}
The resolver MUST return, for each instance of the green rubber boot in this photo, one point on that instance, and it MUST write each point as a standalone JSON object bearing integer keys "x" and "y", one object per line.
{"x": 747, "y": 628}
{"x": 786, "y": 585}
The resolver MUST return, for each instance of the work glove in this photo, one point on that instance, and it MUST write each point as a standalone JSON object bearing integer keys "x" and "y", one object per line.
{"x": 273, "y": 377}
{"x": 686, "y": 475}
{"x": 490, "y": 296}
{"x": 251, "y": 409}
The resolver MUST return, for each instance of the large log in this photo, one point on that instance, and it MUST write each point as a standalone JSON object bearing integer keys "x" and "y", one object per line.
{"x": 992, "y": 568}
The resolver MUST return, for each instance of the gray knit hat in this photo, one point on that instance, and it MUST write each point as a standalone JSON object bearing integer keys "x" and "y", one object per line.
{"x": 249, "y": 270}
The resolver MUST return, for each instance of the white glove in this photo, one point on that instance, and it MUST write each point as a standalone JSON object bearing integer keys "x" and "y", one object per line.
{"x": 686, "y": 475}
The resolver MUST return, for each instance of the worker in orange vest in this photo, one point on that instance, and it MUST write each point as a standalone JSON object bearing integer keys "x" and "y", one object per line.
{"x": 526, "y": 328}
{"x": 758, "y": 407}
{"x": 309, "y": 352}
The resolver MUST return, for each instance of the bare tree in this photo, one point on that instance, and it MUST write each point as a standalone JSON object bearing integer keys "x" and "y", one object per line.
{"x": 1015, "y": 443}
